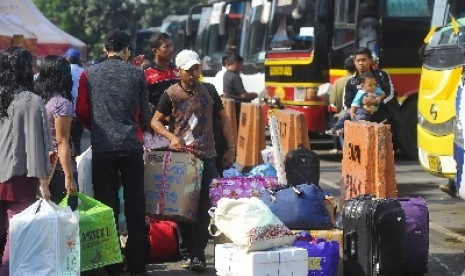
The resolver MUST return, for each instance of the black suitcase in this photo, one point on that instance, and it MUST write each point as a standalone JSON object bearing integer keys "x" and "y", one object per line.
{"x": 375, "y": 240}
{"x": 302, "y": 166}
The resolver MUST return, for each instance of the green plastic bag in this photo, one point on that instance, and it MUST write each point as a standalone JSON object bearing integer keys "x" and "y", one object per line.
{"x": 99, "y": 239}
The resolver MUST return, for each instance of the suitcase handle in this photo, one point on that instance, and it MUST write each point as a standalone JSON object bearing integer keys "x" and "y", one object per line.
{"x": 350, "y": 244}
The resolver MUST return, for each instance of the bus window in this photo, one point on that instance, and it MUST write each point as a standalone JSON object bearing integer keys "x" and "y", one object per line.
{"x": 408, "y": 8}
{"x": 344, "y": 23}
{"x": 292, "y": 26}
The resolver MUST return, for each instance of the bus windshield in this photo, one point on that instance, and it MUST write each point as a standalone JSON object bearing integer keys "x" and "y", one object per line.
{"x": 446, "y": 36}
{"x": 292, "y": 25}
{"x": 254, "y": 31}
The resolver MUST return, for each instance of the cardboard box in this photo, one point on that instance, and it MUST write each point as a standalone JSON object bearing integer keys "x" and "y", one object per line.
{"x": 179, "y": 198}
{"x": 251, "y": 136}
{"x": 292, "y": 130}
{"x": 230, "y": 108}
{"x": 368, "y": 161}
{"x": 230, "y": 260}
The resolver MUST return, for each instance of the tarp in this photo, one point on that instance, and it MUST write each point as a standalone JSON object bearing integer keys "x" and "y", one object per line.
{"x": 50, "y": 38}
{"x": 10, "y": 32}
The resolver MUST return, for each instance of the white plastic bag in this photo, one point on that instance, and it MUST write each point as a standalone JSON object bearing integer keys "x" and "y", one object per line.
{"x": 250, "y": 224}
{"x": 44, "y": 240}
{"x": 84, "y": 166}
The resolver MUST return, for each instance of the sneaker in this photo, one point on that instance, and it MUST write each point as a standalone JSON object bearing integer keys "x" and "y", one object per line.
{"x": 186, "y": 263}
{"x": 331, "y": 131}
{"x": 198, "y": 266}
{"x": 446, "y": 189}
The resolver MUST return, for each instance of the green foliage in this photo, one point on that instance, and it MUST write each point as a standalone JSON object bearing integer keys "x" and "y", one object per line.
{"x": 90, "y": 20}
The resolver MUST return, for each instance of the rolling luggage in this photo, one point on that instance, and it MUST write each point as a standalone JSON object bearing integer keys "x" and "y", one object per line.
{"x": 374, "y": 237}
{"x": 302, "y": 166}
{"x": 417, "y": 228}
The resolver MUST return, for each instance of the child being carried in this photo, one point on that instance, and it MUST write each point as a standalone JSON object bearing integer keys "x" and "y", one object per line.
{"x": 358, "y": 110}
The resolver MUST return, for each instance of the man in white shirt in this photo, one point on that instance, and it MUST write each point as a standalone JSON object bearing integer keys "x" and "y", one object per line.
{"x": 218, "y": 79}
{"x": 73, "y": 57}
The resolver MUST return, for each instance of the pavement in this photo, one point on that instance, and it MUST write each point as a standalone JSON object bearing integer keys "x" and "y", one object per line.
{"x": 447, "y": 217}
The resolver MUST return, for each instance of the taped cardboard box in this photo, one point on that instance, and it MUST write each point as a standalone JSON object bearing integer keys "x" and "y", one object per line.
{"x": 251, "y": 136}
{"x": 172, "y": 185}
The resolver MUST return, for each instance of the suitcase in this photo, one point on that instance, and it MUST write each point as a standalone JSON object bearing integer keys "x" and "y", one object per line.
{"x": 417, "y": 226}
{"x": 374, "y": 237}
{"x": 163, "y": 240}
{"x": 302, "y": 166}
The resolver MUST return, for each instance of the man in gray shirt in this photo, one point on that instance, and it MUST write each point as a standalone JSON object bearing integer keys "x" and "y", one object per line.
{"x": 113, "y": 101}
{"x": 233, "y": 88}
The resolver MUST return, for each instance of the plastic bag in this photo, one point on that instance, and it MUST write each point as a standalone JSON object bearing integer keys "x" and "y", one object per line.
{"x": 44, "y": 240}
{"x": 84, "y": 166}
{"x": 99, "y": 239}
{"x": 250, "y": 224}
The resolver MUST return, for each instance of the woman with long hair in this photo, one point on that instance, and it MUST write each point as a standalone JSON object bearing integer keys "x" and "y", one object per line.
{"x": 54, "y": 85}
{"x": 25, "y": 140}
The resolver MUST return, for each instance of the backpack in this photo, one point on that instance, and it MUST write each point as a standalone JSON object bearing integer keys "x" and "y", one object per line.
{"x": 302, "y": 166}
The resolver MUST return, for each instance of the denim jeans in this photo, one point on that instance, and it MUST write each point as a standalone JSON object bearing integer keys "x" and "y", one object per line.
{"x": 360, "y": 114}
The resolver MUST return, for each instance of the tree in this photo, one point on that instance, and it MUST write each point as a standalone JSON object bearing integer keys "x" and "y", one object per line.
{"x": 90, "y": 20}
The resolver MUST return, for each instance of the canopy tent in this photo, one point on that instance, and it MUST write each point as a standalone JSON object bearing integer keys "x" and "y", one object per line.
{"x": 11, "y": 33}
{"x": 50, "y": 38}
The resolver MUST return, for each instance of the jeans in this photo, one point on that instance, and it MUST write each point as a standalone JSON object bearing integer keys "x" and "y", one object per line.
{"x": 106, "y": 171}
{"x": 360, "y": 114}
{"x": 194, "y": 237}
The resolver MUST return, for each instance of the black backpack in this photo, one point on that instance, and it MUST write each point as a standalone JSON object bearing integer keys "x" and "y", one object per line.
{"x": 302, "y": 166}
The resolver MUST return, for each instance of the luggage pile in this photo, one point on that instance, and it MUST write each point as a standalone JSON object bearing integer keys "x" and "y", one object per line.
{"x": 293, "y": 197}
{"x": 383, "y": 234}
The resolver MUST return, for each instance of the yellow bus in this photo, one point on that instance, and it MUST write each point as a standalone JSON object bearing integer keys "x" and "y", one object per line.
{"x": 441, "y": 73}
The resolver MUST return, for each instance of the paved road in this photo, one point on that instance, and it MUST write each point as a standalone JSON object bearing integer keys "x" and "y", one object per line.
{"x": 447, "y": 217}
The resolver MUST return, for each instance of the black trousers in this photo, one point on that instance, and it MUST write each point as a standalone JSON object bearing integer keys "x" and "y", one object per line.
{"x": 76, "y": 134}
{"x": 127, "y": 168}
{"x": 194, "y": 237}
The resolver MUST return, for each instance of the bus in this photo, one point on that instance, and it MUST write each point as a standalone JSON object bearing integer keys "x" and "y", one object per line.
{"x": 175, "y": 26}
{"x": 253, "y": 45}
{"x": 219, "y": 31}
{"x": 310, "y": 40}
{"x": 442, "y": 72}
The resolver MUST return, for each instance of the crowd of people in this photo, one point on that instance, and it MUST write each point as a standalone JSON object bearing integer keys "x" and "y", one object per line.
{"x": 42, "y": 118}
{"x": 117, "y": 101}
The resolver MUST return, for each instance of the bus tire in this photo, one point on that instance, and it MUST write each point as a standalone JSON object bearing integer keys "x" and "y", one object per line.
{"x": 408, "y": 130}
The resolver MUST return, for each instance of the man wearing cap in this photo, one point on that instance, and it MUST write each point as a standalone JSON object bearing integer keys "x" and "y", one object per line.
{"x": 113, "y": 102}
{"x": 189, "y": 108}
{"x": 73, "y": 57}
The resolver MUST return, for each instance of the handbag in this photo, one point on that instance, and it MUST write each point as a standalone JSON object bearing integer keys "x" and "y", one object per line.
{"x": 44, "y": 240}
{"x": 99, "y": 239}
{"x": 301, "y": 207}
{"x": 240, "y": 187}
{"x": 323, "y": 255}
{"x": 250, "y": 224}
{"x": 163, "y": 240}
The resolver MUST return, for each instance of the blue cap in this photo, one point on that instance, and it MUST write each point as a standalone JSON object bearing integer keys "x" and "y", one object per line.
{"x": 72, "y": 52}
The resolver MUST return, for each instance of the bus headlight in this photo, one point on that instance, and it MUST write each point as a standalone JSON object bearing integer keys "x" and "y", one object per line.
{"x": 441, "y": 129}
